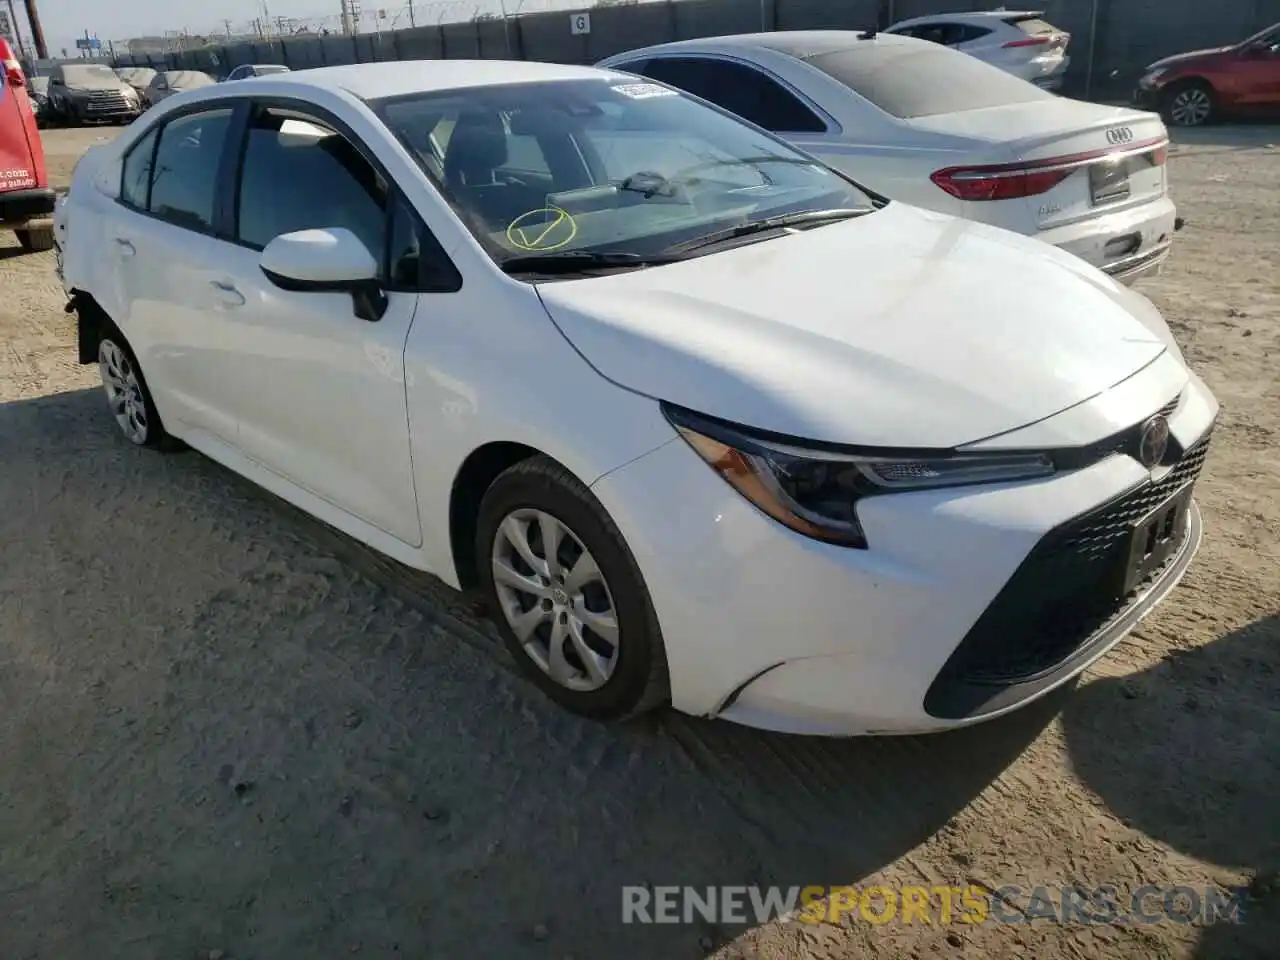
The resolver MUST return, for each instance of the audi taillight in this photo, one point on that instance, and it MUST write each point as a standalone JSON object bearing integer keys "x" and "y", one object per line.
{"x": 1028, "y": 42}
{"x": 998, "y": 182}
{"x": 1008, "y": 181}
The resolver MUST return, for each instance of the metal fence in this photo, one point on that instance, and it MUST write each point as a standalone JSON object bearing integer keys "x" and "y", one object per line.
{"x": 1112, "y": 40}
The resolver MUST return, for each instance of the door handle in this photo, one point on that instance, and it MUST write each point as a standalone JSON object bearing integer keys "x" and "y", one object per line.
{"x": 227, "y": 294}
{"x": 124, "y": 247}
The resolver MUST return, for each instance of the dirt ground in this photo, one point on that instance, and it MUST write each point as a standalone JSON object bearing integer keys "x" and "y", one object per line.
{"x": 224, "y": 728}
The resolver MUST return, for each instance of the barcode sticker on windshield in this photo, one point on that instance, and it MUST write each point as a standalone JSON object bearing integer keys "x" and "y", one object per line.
{"x": 643, "y": 91}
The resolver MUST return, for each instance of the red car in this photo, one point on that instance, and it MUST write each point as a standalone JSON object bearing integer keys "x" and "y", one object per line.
{"x": 26, "y": 202}
{"x": 1190, "y": 89}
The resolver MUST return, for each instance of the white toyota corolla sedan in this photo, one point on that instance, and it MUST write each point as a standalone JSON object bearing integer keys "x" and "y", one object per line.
{"x": 939, "y": 129}
{"x": 707, "y": 422}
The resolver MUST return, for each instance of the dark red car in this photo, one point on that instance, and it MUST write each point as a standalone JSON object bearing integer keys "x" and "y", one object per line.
{"x": 1190, "y": 89}
{"x": 26, "y": 202}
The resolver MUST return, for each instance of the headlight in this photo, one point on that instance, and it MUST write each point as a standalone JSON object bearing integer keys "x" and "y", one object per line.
{"x": 1151, "y": 77}
{"x": 815, "y": 490}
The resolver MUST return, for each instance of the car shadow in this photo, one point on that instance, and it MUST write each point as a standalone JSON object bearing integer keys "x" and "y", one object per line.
{"x": 1186, "y": 752}
{"x": 10, "y": 252}
{"x": 228, "y": 726}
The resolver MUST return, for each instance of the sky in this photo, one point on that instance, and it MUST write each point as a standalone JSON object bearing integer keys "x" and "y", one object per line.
{"x": 64, "y": 20}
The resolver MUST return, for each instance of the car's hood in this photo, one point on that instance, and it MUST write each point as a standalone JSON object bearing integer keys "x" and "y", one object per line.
{"x": 1187, "y": 57}
{"x": 899, "y": 328}
{"x": 93, "y": 85}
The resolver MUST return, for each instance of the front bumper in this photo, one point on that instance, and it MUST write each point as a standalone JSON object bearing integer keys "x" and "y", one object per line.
{"x": 1146, "y": 98}
{"x": 19, "y": 206}
{"x": 90, "y": 112}
{"x": 770, "y": 629}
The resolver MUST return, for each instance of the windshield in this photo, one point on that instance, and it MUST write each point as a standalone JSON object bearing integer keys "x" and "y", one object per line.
{"x": 1271, "y": 35}
{"x": 608, "y": 166}
{"x": 89, "y": 75}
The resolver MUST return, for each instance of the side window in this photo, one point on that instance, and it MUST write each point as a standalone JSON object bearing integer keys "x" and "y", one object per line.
{"x": 945, "y": 34}
{"x": 186, "y": 168}
{"x": 972, "y": 32}
{"x": 136, "y": 180}
{"x": 739, "y": 89}
{"x": 416, "y": 261}
{"x": 303, "y": 175}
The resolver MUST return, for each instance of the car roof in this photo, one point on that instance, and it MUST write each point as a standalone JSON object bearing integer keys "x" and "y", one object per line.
{"x": 392, "y": 78}
{"x": 793, "y": 43}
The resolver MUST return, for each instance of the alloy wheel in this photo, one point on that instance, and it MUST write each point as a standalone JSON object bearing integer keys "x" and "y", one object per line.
{"x": 555, "y": 599}
{"x": 124, "y": 392}
{"x": 1190, "y": 107}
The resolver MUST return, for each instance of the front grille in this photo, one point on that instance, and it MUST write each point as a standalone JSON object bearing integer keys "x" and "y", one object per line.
{"x": 1068, "y": 588}
{"x": 1127, "y": 442}
{"x": 106, "y": 101}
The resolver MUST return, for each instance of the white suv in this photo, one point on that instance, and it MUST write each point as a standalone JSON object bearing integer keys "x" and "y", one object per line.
{"x": 1021, "y": 43}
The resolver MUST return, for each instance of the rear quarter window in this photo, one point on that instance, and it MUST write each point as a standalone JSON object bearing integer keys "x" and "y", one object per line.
{"x": 924, "y": 81}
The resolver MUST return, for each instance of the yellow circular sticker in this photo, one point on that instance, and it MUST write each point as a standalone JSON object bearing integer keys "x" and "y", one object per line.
{"x": 555, "y": 230}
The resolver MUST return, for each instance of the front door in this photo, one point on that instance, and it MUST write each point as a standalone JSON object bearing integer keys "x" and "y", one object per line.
{"x": 319, "y": 392}
{"x": 1257, "y": 75}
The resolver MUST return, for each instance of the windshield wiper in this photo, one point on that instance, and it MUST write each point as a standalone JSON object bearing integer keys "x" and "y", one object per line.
{"x": 806, "y": 218}
{"x": 578, "y": 261}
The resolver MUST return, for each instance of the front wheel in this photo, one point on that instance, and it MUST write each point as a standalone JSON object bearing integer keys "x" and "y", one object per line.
{"x": 128, "y": 397}
{"x": 1190, "y": 104}
{"x": 568, "y": 597}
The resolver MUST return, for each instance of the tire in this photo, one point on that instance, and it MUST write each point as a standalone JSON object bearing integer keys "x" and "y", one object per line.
{"x": 35, "y": 239}
{"x": 128, "y": 397}
{"x": 630, "y": 665}
{"x": 1191, "y": 103}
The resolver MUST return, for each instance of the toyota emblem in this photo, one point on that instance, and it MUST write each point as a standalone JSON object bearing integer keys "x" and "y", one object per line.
{"x": 1119, "y": 135}
{"x": 1154, "y": 442}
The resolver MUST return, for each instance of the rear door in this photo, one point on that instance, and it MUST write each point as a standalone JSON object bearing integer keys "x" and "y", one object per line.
{"x": 169, "y": 264}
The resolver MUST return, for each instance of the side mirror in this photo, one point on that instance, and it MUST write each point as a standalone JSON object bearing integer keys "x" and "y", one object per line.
{"x": 332, "y": 260}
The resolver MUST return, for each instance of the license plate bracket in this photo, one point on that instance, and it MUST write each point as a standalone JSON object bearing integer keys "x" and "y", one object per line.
{"x": 1109, "y": 182}
{"x": 1156, "y": 537}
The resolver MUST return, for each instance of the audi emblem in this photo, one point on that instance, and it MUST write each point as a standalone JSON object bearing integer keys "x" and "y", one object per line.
{"x": 1119, "y": 135}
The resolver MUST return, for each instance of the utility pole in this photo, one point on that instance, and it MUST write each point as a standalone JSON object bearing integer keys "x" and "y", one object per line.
{"x": 346, "y": 18}
{"x": 412, "y": 21}
{"x": 17, "y": 32}
{"x": 37, "y": 32}
{"x": 227, "y": 24}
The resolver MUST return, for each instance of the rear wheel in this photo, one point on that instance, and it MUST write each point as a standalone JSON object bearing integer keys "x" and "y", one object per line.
{"x": 128, "y": 397}
{"x": 34, "y": 239}
{"x": 1189, "y": 104}
{"x": 567, "y": 595}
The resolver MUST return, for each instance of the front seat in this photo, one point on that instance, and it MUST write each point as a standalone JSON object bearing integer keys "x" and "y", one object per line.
{"x": 477, "y": 148}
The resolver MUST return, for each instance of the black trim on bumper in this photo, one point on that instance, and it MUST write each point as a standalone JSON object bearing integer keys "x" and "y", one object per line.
{"x": 1061, "y": 610}
{"x": 21, "y": 205}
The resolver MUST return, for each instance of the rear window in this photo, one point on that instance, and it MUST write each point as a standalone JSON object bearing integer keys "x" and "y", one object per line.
{"x": 1032, "y": 25}
{"x": 924, "y": 81}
